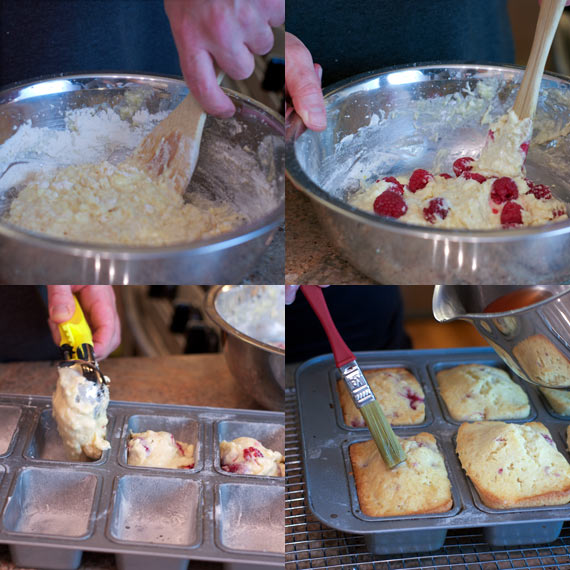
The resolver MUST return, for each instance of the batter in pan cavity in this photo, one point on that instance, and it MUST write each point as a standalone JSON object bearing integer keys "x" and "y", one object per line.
{"x": 80, "y": 411}
{"x": 247, "y": 456}
{"x": 159, "y": 449}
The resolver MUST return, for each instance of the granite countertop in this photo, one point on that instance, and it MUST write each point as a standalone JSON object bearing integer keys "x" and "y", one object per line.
{"x": 270, "y": 268}
{"x": 196, "y": 380}
{"x": 310, "y": 256}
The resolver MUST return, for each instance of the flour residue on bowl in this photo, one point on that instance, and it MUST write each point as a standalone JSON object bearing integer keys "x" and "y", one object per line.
{"x": 257, "y": 311}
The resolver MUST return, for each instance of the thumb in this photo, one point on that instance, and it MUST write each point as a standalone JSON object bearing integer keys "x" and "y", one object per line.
{"x": 60, "y": 303}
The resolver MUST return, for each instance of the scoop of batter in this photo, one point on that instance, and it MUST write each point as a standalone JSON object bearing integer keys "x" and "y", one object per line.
{"x": 159, "y": 449}
{"x": 247, "y": 456}
{"x": 490, "y": 193}
{"x": 80, "y": 411}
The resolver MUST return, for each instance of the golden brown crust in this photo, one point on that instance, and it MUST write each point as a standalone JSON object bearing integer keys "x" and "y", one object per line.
{"x": 542, "y": 361}
{"x": 480, "y": 392}
{"x": 420, "y": 485}
{"x": 398, "y": 392}
{"x": 513, "y": 465}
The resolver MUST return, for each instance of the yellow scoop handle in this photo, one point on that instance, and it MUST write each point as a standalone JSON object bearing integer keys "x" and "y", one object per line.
{"x": 75, "y": 331}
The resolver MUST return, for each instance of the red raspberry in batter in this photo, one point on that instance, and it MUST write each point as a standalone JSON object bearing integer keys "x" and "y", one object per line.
{"x": 395, "y": 186}
{"x": 446, "y": 176}
{"x": 462, "y": 164}
{"x": 419, "y": 179}
{"x": 251, "y": 452}
{"x": 557, "y": 213}
{"x": 524, "y": 148}
{"x": 491, "y": 134}
{"x": 540, "y": 191}
{"x": 390, "y": 204}
{"x": 511, "y": 215}
{"x": 436, "y": 207}
{"x": 503, "y": 190}
{"x": 473, "y": 176}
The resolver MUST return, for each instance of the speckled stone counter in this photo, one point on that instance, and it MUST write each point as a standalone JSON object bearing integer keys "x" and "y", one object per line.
{"x": 310, "y": 256}
{"x": 195, "y": 380}
{"x": 270, "y": 270}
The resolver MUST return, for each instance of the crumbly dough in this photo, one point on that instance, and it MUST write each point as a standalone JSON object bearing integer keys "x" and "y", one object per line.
{"x": 419, "y": 485}
{"x": 80, "y": 411}
{"x": 466, "y": 203}
{"x": 247, "y": 456}
{"x": 103, "y": 203}
{"x": 513, "y": 465}
{"x": 159, "y": 449}
{"x": 481, "y": 392}
{"x": 398, "y": 392}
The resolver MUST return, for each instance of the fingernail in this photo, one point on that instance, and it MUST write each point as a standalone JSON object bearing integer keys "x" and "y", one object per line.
{"x": 61, "y": 313}
{"x": 314, "y": 118}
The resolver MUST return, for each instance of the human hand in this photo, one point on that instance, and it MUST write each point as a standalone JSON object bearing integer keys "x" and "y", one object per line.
{"x": 303, "y": 84}
{"x": 99, "y": 307}
{"x": 291, "y": 292}
{"x": 227, "y": 32}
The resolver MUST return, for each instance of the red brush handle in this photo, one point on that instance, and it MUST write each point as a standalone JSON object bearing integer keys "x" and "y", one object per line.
{"x": 314, "y": 294}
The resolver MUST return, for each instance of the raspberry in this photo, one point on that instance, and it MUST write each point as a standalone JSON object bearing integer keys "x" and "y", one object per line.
{"x": 232, "y": 468}
{"x": 556, "y": 213}
{"x": 390, "y": 204}
{"x": 180, "y": 448}
{"x": 413, "y": 397}
{"x": 473, "y": 176}
{"x": 524, "y": 148}
{"x": 445, "y": 175}
{"x": 419, "y": 179}
{"x": 491, "y": 134}
{"x": 251, "y": 452}
{"x": 511, "y": 215}
{"x": 462, "y": 164}
{"x": 395, "y": 186}
{"x": 504, "y": 189}
{"x": 436, "y": 207}
{"x": 540, "y": 191}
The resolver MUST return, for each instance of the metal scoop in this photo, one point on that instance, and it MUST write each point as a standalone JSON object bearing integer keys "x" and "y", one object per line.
{"x": 532, "y": 337}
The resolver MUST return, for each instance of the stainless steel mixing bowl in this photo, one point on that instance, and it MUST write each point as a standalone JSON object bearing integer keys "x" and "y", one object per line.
{"x": 259, "y": 367}
{"x": 391, "y": 122}
{"x": 26, "y": 257}
{"x": 533, "y": 341}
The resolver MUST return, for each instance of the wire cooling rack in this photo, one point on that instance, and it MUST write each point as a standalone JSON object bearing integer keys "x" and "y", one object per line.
{"x": 311, "y": 545}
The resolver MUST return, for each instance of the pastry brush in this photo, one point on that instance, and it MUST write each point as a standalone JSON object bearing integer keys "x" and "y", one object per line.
{"x": 388, "y": 444}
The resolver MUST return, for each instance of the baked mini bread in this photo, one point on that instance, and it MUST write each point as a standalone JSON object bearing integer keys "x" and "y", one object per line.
{"x": 542, "y": 361}
{"x": 474, "y": 392}
{"x": 559, "y": 400}
{"x": 398, "y": 392}
{"x": 513, "y": 465}
{"x": 420, "y": 485}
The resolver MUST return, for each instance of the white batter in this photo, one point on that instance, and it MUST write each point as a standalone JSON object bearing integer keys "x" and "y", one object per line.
{"x": 247, "y": 456}
{"x": 159, "y": 449}
{"x": 490, "y": 193}
{"x": 80, "y": 411}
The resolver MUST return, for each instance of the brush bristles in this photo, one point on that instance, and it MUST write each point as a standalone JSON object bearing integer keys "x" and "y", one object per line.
{"x": 388, "y": 444}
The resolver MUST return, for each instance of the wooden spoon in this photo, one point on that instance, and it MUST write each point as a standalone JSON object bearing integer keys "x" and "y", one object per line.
{"x": 171, "y": 149}
{"x": 548, "y": 18}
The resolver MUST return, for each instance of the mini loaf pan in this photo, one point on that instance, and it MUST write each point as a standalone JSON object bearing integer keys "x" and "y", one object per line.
{"x": 331, "y": 489}
{"x": 52, "y": 509}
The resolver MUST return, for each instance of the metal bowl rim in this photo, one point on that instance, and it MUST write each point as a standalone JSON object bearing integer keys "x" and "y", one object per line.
{"x": 240, "y": 235}
{"x": 212, "y": 312}
{"x": 512, "y": 312}
{"x": 295, "y": 173}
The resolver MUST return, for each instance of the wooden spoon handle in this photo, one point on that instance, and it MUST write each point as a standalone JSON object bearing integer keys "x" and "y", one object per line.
{"x": 548, "y": 18}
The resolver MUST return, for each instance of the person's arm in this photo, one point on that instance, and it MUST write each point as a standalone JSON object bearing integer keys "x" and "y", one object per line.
{"x": 225, "y": 32}
{"x": 99, "y": 307}
{"x": 303, "y": 83}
